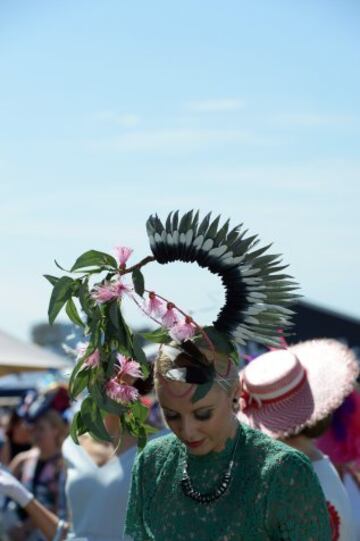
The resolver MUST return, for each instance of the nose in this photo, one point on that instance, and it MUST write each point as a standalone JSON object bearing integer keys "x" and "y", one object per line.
{"x": 188, "y": 429}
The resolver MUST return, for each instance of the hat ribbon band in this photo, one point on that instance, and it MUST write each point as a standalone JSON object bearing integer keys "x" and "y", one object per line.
{"x": 247, "y": 398}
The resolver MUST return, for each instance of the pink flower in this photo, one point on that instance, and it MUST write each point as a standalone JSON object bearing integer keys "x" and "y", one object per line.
{"x": 109, "y": 291}
{"x": 93, "y": 360}
{"x": 154, "y": 305}
{"x": 183, "y": 330}
{"x": 169, "y": 319}
{"x": 127, "y": 367}
{"x": 123, "y": 253}
{"x": 121, "y": 392}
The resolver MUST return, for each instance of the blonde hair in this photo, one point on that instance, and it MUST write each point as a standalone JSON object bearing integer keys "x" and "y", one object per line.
{"x": 226, "y": 373}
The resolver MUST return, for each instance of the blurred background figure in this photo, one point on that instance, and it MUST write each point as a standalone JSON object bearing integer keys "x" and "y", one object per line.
{"x": 16, "y": 437}
{"x": 291, "y": 394}
{"x": 341, "y": 442}
{"x": 95, "y": 483}
{"x": 40, "y": 468}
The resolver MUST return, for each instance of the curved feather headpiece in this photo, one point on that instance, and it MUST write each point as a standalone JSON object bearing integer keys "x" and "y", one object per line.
{"x": 257, "y": 293}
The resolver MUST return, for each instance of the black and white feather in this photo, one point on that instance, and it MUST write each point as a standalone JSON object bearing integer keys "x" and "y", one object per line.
{"x": 257, "y": 293}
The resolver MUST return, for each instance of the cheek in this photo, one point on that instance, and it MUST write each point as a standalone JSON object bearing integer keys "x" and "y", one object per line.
{"x": 174, "y": 426}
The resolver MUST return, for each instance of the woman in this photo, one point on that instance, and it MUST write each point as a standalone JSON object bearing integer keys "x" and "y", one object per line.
{"x": 96, "y": 486}
{"x": 341, "y": 442}
{"x": 290, "y": 394}
{"x": 212, "y": 479}
{"x": 40, "y": 468}
{"x": 17, "y": 438}
{"x": 215, "y": 479}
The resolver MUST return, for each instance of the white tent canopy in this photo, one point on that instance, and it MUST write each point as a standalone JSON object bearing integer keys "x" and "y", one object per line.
{"x": 18, "y": 356}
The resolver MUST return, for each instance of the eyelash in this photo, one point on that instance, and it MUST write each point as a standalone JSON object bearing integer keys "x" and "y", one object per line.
{"x": 199, "y": 417}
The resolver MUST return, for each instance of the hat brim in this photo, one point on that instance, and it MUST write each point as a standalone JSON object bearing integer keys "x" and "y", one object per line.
{"x": 331, "y": 369}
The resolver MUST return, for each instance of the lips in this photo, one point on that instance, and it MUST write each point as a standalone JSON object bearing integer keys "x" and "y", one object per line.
{"x": 194, "y": 444}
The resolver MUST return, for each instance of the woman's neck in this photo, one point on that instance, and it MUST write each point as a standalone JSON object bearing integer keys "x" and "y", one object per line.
{"x": 305, "y": 445}
{"x": 45, "y": 454}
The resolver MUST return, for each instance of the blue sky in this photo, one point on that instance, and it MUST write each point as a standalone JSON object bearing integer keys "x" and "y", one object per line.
{"x": 112, "y": 110}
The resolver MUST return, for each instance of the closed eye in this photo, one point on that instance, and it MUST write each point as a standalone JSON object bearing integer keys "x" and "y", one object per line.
{"x": 203, "y": 415}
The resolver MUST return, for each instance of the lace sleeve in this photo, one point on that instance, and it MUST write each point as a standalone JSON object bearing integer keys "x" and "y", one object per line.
{"x": 296, "y": 508}
{"x": 134, "y": 525}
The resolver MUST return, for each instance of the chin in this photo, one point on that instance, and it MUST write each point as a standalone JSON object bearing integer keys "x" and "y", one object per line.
{"x": 201, "y": 450}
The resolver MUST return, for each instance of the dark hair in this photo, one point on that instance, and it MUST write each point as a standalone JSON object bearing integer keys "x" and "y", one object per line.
{"x": 145, "y": 386}
{"x": 318, "y": 428}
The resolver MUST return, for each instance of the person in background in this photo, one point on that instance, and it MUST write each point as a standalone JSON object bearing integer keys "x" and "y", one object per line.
{"x": 97, "y": 478}
{"x": 341, "y": 442}
{"x": 290, "y": 394}
{"x": 40, "y": 468}
{"x": 17, "y": 437}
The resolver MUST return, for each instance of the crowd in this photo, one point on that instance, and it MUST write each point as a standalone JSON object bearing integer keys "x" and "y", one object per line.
{"x": 264, "y": 450}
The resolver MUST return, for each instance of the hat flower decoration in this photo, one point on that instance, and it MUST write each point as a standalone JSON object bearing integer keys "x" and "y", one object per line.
{"x": 257, "y": 299}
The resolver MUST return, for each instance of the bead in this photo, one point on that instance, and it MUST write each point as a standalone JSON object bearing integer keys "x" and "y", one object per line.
{"x": 190, "y": 492}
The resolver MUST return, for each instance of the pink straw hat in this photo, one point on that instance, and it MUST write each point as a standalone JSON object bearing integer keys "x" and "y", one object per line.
{"x": 284, "y": 391}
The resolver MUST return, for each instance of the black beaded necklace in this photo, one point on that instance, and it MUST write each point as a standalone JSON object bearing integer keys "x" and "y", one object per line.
{"x": 208, "y": 497}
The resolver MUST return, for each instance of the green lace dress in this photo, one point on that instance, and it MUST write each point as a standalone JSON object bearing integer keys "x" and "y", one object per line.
{"x": 273, "y": 494}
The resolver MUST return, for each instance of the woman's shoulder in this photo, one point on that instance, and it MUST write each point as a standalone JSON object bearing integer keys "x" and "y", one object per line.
{"x": 160, "y": 445}
{"x": 157, "y": 451}
{"x": 269, "y": 453}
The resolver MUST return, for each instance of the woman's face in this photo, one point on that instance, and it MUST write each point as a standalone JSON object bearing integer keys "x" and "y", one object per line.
{"x": 203, "y": 426}
{"x": 45, "y": 435}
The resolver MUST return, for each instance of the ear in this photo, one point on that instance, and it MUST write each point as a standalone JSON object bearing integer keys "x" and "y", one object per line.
{"x": 236, "y": 392}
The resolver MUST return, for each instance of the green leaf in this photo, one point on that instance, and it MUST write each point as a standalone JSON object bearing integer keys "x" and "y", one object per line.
{"x": 140, "y": 411}
{"x": 78, "y": 427}
{"x": 93, "y": 258}
{"x": 95, "y": 329}
{"x": 80, "y": 382}
{"x": 159, "y": 336}
{"x": 59, "y": 266}
{"x": 78, "y": 367}
{"x": 142, "y": 438}
{"x": 118, "y": 329}
{"x": 91, "y": 415}
{"x": 61, "y": 292}
{"x": 150, "y": 429}
{"x": 52, "y": 279}
{"x": 84, "y": 298}
{"x": 139, "y": 355}
{"x": 72, "y": 312}
{"x": 138, "y": 281}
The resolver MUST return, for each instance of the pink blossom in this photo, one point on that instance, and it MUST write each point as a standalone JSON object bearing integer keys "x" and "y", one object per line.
{"x": 123, "y": 253}
{"x": 169, "y": 319}
{"x": 109, "y": 291}
{"x": 154, "y": 305}
{"x": 128, "y": 367}
{"x": 93, "y": 360}
{"x": 183, "y": 330}
{"x": 121, "y": 392}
